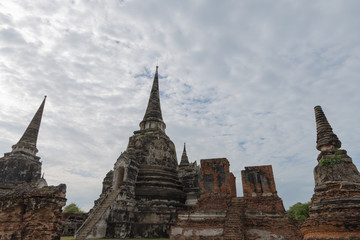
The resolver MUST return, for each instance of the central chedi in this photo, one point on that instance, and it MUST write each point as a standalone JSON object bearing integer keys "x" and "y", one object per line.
{"x": 141, "y": 195}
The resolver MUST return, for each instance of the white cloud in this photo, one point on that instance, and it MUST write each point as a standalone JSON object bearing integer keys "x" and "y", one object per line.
{"x": 240, "y": 80}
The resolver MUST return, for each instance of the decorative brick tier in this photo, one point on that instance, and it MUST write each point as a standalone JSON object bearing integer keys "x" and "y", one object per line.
{"x": 335, "y": 206}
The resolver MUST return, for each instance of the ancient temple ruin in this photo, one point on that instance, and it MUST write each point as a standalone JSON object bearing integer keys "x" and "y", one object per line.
{"x": 148, "y": 195}
{"x": 142, "y": 194}
{"x": 219, "y": 214}
{"x": 29, "y": 209}
{"x": 259, "y": 214}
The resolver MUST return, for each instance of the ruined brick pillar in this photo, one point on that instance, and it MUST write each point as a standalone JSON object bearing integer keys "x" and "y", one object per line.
{"x": 208, "y": 219}
{"x": 264, "y": 214}
{"x": 217, "y": 178}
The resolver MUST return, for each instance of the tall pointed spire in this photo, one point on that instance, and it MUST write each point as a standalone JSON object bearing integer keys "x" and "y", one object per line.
{"x": 27, "y": 142}
{"x": 153, "y": 117}
{"x": 326, "y": 139}
{"x": 184, "y": 158}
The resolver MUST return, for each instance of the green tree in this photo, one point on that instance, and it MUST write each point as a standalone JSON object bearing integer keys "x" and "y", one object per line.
{"x": 299, "y": 211}
{"x": 72, "y": 208}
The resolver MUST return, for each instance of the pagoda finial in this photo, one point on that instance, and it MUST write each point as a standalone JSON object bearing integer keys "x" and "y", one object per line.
{"x": 27, "y": 142}
{"x": 153, "y": 117}
{"x": 184, "y": 158}
{"x": 326, "y": 139}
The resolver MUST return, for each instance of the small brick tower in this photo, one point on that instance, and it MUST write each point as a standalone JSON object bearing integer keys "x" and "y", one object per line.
{"x": 189, "y": 175}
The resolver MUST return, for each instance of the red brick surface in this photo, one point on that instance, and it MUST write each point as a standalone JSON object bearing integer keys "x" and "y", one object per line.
{"x": 29, "y": 213}
{"x": 258, "y": 215}
{"x": 223, "y": 179}
{"x": 334, "y": 213}
{"x": 258, "y": 181}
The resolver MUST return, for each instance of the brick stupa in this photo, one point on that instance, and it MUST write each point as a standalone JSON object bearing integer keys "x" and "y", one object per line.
{"x": 142, "y": 194}
{"x": 335, "y": 206}
{"x": 21, "y": 165}
{"x": 29, "y": 209}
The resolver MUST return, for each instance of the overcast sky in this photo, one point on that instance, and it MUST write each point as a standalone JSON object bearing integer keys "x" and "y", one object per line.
{"x": 238, "y": 79}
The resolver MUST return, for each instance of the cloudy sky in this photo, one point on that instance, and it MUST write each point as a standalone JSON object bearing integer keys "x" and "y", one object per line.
{"x": 239, "y": 79}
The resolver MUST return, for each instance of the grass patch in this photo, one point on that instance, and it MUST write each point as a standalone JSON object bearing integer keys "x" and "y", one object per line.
{"x": 330, "y": 162}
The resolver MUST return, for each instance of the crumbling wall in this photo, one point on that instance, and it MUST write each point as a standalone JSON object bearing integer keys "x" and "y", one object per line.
{"x": 219, "y": 214}
{"x": 258, "y": 181}
{"x": 27, "y": 212}
{"x": 71, "y": 222}
{"x": 264, "y": 214}
{"x": 216, "y": 177}
{"x": 207, "y": 220}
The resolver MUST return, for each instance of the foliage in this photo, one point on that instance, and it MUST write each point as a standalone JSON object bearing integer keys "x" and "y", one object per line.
{"x": 299, "y": 211}
{"x": 330, "y": 162}
{"x": 72, "y": 208}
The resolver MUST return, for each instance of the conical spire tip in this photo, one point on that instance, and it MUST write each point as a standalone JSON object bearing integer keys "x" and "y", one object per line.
{"x": 153, "y": 117}
{"x": 28, "y": 140}
{"x": 184, "y": 158}
{"x": 326, "y": 139}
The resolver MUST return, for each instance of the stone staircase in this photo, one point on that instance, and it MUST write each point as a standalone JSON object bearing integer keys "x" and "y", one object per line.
{"x": 96, "y": 214}
{"x": 233, "y": 229}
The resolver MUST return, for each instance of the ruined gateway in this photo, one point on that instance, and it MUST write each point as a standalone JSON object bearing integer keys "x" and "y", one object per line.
{"x": 149, "y": 195}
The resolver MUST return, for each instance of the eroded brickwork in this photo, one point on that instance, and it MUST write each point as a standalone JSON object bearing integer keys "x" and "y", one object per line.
{"x": 216, "y": 177}
{"x": 335, "y": 206}
{"x": 264, "y": 214}
{"x": 29, "y": 213}
{"x": 258, "y": 181}
{"x": 219, "y": 214}
{"x": 71, "y": 222}
{"x": 207, "y": 220}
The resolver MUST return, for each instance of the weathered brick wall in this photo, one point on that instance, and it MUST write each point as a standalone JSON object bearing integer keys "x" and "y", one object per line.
{"x": 207, "y": 220}
{"x": 71, "y": 222}
{"x": 258, "y": 181}
{"x": 28, "y": 213}
{"x": 216, "y": 177}
{"x": 264, "y": 213}
{"x": 265, "y": 218}
{"x": 219, "y": 214}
